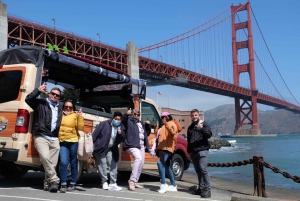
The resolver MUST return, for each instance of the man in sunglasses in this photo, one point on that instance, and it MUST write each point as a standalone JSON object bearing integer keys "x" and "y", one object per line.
{"x": 46, "y": 123}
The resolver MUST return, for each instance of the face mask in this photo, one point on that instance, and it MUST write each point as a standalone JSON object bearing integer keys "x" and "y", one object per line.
{"x": 116, "y": 123}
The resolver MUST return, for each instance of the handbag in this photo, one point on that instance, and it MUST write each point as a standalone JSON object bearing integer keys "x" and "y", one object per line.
{"x": 85, "y": 146}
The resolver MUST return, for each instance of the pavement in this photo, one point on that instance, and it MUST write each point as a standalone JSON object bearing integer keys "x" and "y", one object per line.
{"x": 233, "y": 190}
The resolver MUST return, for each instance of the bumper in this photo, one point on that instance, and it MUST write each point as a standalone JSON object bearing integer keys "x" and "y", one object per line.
{"x": 9, "y": 154}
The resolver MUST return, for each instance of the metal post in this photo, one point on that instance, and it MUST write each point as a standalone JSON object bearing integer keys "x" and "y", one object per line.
{"x": 54, "y": 24}
{"x": 259, "y": 177}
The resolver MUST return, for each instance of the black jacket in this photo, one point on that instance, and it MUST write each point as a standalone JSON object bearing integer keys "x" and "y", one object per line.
{"x": 42, "y": 115}
{"x": 132, "y": 136}
{"x": 101, "y": 138}
{"x": 198, "y": 138}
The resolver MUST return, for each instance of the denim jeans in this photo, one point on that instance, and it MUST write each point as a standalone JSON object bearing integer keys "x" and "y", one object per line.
{"x": 68, "y": 154}
{"x": 166, "y": 169}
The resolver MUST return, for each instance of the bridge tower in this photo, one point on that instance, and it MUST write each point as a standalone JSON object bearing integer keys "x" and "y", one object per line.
{"x": 244, "y": 107}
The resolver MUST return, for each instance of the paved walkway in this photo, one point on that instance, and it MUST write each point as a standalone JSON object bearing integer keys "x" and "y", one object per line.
{"x": 226, "y": 189}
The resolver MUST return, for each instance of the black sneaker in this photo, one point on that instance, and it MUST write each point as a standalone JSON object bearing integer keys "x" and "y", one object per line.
{"x": 71, "y": 187}
{"x": 63, "y": 189}
{"x": 54, "y": 187}
{"x": 197, "y": 192}
{"x": 205, "y": 194}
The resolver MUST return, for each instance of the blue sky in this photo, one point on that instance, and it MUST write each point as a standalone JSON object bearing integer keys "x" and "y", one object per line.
{"x": 148, "y": 22}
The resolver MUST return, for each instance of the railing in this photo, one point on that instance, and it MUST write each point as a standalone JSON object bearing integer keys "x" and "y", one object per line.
{"x": 258, "y": 171}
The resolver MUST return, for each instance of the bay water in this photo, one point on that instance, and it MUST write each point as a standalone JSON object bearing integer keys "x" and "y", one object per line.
{"x": 282, "y": 152}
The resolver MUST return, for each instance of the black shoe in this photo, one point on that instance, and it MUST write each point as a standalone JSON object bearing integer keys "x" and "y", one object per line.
{"x": 205, "y": 194}
{"x": 197, "y": 192}
{"x": 54, "y": 187}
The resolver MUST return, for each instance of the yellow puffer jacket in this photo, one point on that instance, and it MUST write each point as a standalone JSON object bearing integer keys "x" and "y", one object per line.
{"x": 167, "y": 137}
{"x": 70, "y": 124}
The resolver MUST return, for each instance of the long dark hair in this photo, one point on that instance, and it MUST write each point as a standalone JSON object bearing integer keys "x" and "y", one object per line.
{"x": 69, "y": 101}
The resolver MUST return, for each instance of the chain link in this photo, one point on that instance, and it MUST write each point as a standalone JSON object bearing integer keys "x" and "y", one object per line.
{"x": 233, "y": 164}
{"x": 250, "y": 161}
{"x": 277, "y": 170}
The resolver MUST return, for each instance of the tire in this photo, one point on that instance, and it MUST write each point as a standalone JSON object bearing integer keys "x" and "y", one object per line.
{"x": 177, "y": 166}
{"x": 80, "y": 170}
{"x": 12, "y": 170}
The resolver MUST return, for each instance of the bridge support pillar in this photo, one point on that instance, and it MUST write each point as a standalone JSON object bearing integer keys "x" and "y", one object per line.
{"x": 247, "y": 107}
{"x": 133, "y": 68}
{"x": 3, "y": 26}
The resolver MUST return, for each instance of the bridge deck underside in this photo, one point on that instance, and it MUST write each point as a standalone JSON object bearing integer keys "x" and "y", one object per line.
{"x": 21, "y": 32}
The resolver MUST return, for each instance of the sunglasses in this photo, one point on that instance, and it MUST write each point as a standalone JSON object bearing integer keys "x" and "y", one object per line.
{"x": 136, "y": 114}
{"x": 70, "y": 107}
{"x": 54, "y": 94}
{"x": 163, "y": 117}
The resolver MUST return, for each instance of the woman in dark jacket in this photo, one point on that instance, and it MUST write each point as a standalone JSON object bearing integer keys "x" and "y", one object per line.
{"x": 106, "y": 138}
{"x": 136, "y": 144}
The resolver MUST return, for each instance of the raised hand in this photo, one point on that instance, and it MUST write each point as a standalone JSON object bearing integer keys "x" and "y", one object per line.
{"x": 119, "y": 131}
{"x": 129, "y": 112}
{"x": 43, "y": 88}
{"x": 79, "y": 112}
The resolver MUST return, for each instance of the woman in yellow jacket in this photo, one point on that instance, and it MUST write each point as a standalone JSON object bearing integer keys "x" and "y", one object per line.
{"x": 166, "y": 144}
{"x": 68, "y": 137}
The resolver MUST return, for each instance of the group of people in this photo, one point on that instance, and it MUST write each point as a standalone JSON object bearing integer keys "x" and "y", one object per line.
{"x": 55, "y": 137}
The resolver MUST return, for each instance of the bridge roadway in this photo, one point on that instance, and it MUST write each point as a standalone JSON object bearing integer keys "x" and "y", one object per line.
{"x": 29, "y": 187}
{"x": 22, "y": 32}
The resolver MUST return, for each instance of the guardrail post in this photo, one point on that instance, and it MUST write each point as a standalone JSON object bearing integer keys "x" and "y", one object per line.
{"x": 259, "y": 177}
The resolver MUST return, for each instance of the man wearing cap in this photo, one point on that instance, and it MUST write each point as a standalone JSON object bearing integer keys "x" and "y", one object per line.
{"x": 198, "y": 145}
{"x": 136, "y": 144}
{"x": 166, "y": 144}
{"x": 106, "y": 138}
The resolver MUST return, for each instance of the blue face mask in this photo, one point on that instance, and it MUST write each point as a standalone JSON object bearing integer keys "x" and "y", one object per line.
{"x": 116, "y": 123}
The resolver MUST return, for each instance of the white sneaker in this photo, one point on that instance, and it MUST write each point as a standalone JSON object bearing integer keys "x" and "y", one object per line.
{"x": 105, "y": 186}
{"x": 114, "y": 187}
{"x": 163, "y": 188}
{"x": 172, "y": 188}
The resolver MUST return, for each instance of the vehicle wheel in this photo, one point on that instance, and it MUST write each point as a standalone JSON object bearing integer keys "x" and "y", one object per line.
{"x": 12, "y": 171}
{"x": 177, "y": 166}
{"x": 80, "y": 170}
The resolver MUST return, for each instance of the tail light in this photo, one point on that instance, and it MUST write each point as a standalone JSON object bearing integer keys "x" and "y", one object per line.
{"x": 22, "y": 121}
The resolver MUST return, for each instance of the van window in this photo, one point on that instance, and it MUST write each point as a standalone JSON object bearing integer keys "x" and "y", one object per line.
{"x": 11, "y": 80}
{"x": 149, "y": 113}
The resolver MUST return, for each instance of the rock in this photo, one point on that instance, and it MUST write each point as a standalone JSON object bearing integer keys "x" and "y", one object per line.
{"x": 217, "y": 143}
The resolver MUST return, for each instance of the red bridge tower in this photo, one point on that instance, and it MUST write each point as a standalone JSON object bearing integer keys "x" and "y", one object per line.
{"x": 244, "y": 107}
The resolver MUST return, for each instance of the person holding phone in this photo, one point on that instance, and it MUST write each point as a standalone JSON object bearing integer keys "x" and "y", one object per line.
{"x": 71, "y": 122}
{"x": 46, "y": 123}
{"x": 198, "y": 146}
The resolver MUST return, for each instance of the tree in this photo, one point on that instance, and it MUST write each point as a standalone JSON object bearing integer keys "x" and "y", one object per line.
{"x": 70, "y": 94}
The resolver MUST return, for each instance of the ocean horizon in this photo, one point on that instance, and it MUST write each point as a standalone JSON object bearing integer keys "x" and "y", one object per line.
{"x": 282, "y": 152}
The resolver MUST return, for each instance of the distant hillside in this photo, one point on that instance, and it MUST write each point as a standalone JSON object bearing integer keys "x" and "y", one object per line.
{"x": 222, "y": 120}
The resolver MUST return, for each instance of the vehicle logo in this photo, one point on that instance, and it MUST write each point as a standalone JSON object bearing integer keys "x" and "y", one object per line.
{"x": 3, "y": 123}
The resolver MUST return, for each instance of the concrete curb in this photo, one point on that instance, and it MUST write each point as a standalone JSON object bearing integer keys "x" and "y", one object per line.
{"x": 241, "y": 197}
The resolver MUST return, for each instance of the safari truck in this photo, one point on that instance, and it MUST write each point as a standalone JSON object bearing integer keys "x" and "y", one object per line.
{"x": 101, "y": 90}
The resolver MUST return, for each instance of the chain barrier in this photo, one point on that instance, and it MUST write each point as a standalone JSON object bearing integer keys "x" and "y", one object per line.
{"x": 250, "y": 161}
{"x": 233, "y": 164}
{"x": 277, "y": 170}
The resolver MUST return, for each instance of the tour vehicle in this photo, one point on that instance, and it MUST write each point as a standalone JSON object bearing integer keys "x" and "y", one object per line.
{"x": 101, "y": 90}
